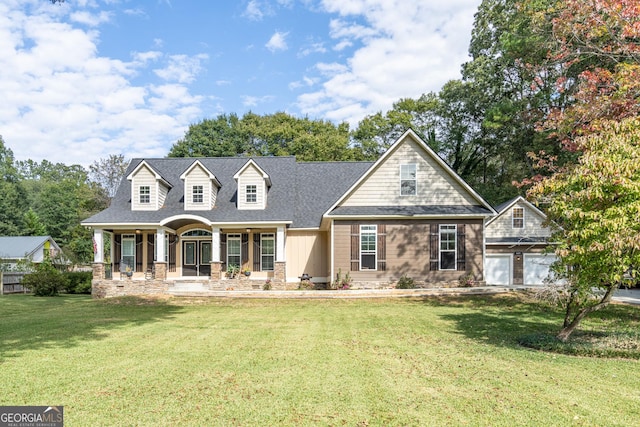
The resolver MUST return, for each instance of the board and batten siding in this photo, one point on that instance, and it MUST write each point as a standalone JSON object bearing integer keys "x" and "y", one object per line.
{"x": 407, "y": 251}
{"x": 533, "y": 225}
{"x": 435, "y": 186}
{"x": 198, "y": 176}
{"x": 145, "y": 177}
{"x": 306, "y": 253}
{"x": 251, "y": 176}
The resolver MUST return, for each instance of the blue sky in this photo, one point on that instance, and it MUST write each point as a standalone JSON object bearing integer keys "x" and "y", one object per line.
{"x": 90, "y": 78}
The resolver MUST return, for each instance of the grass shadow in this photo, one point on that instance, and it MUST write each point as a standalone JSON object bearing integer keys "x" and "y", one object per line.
{"x": 28, "y": 322}
{"x": 512, "y": 320}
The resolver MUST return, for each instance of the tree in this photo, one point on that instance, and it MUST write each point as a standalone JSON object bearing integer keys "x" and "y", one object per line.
{"x": 108, "y": 172}
{"x": 32, "y": 224}
{"x": 596, "y": 204}
{"x": 219, "y": 137}
{"x": 12, "y": 199}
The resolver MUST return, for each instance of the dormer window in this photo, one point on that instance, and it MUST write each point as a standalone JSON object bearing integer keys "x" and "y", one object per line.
{"x": 252, "y": 194}
{"x": 517, "y": 217}
{"x": 145, "y": 194}
{"x": 198, "y": 194}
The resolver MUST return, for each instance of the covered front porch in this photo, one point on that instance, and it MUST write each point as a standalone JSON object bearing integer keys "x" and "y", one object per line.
{"x": 144, "y": 259}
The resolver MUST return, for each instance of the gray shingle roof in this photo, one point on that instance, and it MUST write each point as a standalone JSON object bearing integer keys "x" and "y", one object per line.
{"x": 16, "y": 247}
{"x": 300, "y": 192}
{"x": 410, "y": 210}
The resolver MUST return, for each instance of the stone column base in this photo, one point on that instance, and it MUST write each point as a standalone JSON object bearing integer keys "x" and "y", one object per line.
{"x": 98, "y": 270}
{"x": 161, "y": 270}
{"x": 280, "y": 271}
{"x": 216, "y": 271}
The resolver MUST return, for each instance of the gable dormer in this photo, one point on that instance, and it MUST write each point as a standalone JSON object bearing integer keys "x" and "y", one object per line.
{"x": 200, "y": 187}
{"x": 148, "y": 188}
{"x": 518, "y": 218}
{"x": 253, "y": 184}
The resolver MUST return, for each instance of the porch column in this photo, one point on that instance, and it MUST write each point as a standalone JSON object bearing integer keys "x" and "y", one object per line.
{"x": 280, "y": 267}
{"x": 98, "y": 255}
{"x": 280, "y": 244}
{"x": 160, "y": 264}
{"x": 98, "y": 245}
{"x": 216, "y": 263}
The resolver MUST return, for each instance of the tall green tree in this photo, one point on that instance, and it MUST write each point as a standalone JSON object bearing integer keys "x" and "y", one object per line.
{"x": 108, "y": 172}
{"x": 12, "y": 199}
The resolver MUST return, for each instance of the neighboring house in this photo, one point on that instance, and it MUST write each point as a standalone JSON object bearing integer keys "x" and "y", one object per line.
{"x": 516, "y": 240}
{"x": 14, "y": 249}
{"x": 193, "y": 218}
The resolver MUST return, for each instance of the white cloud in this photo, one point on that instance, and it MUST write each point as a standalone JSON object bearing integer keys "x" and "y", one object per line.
{"x": 64, "y": 102}
{"x": 90, "y": 19}
{"x": 277, "y": 42}
{"x": 182, "y": 68}
{"x": 403, "y": 49}
{"x": 254, "y": 101}
{"x": 253, "y": 11}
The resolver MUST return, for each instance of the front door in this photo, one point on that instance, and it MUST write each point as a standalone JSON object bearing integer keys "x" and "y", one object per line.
{"x": 196, "y": 258}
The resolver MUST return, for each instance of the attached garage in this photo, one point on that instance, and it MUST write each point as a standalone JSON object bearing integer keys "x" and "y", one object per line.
{"x": 497, "y": 269}
{"x": 537, "y": 268}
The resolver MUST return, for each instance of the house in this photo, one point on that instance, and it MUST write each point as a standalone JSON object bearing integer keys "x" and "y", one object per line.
{"x": 195, "y": 219}
{"x": 14, "y": 249}
{"x": 516, "y": 241}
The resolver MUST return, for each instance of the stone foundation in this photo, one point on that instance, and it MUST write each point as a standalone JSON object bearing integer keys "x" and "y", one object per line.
{"x": 119, "y": 288}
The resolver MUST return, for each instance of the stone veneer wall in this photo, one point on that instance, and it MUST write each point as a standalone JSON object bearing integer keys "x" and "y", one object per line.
{"x": 118, "y": 288}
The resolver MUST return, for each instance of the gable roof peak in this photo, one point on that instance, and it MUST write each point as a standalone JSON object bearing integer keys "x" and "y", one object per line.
{"x": 198, "y": 163}
{"x": 144, "y": 163}
{"x": 251, "y": 162}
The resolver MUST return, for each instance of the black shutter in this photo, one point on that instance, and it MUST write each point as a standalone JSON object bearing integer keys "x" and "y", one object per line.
{"x": 117, "y": 251}
{"x": 139, "y": 252}
{"x": 382, "y": 247}
{"x": 150, "y": 250}
{"x": 434, "y": 251}
{"x": 355, "y": 247}
{"x": 244, "y": 251}
{"x": 173, "y": 242}
{"x": 460, "y": 246}
{"x": 256, "y": 252}
{"x": 223, "y": 251}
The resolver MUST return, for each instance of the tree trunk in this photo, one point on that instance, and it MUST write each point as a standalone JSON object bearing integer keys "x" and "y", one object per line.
{"x": 567, "y": 330}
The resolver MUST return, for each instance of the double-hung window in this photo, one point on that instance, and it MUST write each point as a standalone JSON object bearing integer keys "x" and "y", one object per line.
{"x": 197, "y": 194}
{"x": 251, "y": 193}
{"x": 145, "y": 194}
{"x": 408, "y": 182}
{"x": 517, "y": 215}
{"x": 234, "y": 254}
{"x": 129, "y": 250}
{"x": 368, "y": 238}
{"x": 267, "y": 251}
{"x": 447, "y": 247}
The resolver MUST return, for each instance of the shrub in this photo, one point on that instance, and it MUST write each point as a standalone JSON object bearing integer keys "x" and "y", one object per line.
{"x": 305, "y": 285}
{"x": 267, "y": 285}
{"x": 78, "y": 282}
{"x": 342, "y": 283}
{"x": 45, "y": 280}
{"x": 405, "y": 283}
{"x": 466, "y": 280}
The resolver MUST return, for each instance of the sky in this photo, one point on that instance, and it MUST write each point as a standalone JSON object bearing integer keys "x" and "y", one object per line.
{"x": 90, "y": 78}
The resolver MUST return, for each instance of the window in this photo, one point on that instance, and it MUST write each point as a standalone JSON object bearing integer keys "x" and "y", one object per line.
{"x": 267, "y": 251}
{"x": 408, "y": 184}
{"x": 234, "y": 245}
{"x": 447, "y": 247}
{"x": 251, "y": 194}
{"x": 145, "y": 194}
{"x": 129, "y": 250}
{"x": 198, "y": 194}
{"x": 368, "y": 235}
{"x": 518, "y": 217}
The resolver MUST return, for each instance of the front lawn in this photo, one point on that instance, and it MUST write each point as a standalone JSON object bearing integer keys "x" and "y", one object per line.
{"x": 449, "y": 361}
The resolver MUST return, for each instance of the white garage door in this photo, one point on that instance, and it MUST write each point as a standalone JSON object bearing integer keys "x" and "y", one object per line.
{"x": 536, "y": 268}
{"x": 497, "y": 269}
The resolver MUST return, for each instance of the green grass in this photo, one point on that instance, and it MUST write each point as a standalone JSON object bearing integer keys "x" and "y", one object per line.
{"x": 405, "y": 362}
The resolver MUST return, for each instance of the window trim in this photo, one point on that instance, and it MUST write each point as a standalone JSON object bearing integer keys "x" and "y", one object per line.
{"x": 234, "y": 237}
{"x": 414, "y": 179}
{"x": 199, "y": 193}
{"x": 514, "y": 218}
{"x": 144, "y": 191}
{"x": 369, "y": 229}
{"x": 131, "y": 238}
{"x": 263, "y": 237}
{"x": 253, "y": 193}
{"x": 447, "y": 228}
